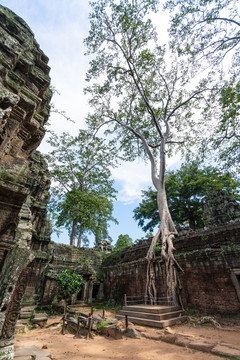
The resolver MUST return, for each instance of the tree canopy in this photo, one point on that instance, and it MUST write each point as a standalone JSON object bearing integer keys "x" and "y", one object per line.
{"x": 82, "y": 191}
{"x": 141, "y": 97}
{"x": 123, "y": 241}
{"x": 209, "y": 31}
{"x": 208, "y": 28}
{"x": 187, "y": 190}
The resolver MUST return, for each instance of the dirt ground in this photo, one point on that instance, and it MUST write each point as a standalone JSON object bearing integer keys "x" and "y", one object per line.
{"x": 65, "y": 347}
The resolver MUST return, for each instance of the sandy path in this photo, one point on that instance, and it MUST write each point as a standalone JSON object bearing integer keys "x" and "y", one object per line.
{"x": 67, "y": 348}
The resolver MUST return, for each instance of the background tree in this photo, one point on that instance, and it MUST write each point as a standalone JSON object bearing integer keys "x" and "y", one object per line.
{"x": 226, "y": 132}
{"x": 187, "y": 189}
{"x": 123, "y": 241}
{"x": 210, "y": 31}
{"x": 82, "y": 191}
{"x": 91, "y": 211}
{"x": 68, "y": 283}
{"x": 141, "y": 99}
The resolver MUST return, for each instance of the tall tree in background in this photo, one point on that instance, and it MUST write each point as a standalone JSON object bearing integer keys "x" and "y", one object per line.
{"x": 82, "y": 191}
{"x": 144, "y": 102}
{"x": 123, "y": 241}
{"x": 187, "y": 189}
{"x": 210, "y": 31}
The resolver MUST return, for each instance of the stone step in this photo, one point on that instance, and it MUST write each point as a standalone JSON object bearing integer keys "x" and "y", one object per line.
{"x": 25, "y": 315}
{"x": 20, "y": 328}
{"x": 28, "y": 309}
{"x": 151, "y": 316}
{"x": 155, "y": 309}
{"x": 23, "y": 321}
{"x": 154, "y": 323}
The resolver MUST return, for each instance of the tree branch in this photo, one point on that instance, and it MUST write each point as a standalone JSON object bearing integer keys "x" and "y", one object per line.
{"x": 185, "y": 102}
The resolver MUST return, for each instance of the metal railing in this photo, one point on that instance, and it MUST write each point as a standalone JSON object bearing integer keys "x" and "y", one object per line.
{"x": 147, "y": 300}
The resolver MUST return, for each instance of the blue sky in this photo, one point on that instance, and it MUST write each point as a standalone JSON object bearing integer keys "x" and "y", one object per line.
{"x": 60, "y": 27}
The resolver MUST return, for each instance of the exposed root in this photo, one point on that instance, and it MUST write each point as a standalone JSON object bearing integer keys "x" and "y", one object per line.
{"x": 150, "y": 290}
{"x": 204, "y": 320}
{"x": 167, "y": 238}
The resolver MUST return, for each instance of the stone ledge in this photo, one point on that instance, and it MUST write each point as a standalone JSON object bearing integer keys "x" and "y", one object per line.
{"x": 199, "y": 344}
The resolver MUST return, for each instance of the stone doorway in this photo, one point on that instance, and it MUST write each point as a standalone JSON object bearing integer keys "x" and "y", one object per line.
{"x": 235, "y": 276}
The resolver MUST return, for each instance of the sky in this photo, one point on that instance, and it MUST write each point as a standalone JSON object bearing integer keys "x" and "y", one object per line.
{"x": 60, "y": 27}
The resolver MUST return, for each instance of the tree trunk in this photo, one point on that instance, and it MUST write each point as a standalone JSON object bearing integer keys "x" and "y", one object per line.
{"x": 73, "y": 233}
{"x": 191, "y": 219}
{"x": 165, "y": 235}
{"x": 192, "y": 223}
{"x": 79, "y": 243}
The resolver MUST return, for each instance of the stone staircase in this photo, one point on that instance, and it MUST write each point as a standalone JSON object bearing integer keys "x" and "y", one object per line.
{"x": 152, "y": 315}
{"x": 26, "y": 312}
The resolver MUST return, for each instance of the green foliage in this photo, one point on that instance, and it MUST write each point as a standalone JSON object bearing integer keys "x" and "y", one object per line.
{"x": 91, "y": 210}
{"x": 209, "y": 31}
{"x": 68, "y": 283}
{"x": 137, "y": 94}
{"x": 210, "y": 28}
{"x": 187, "y": 189}
{"x": 147, "y": 210}
{"x": 204, "y": 237}
{"x": 157, "y": 249}
{"x": 82, "y": 191}
{"x": 227, "y": 132}
{"x": 123, "y": 241}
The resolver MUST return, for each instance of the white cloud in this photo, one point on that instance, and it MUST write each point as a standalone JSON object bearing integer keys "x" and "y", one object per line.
{"x": 132, "y": 177}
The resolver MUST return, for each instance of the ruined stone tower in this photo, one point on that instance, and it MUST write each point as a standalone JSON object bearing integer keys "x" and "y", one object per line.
{"x": 24, "y": 108}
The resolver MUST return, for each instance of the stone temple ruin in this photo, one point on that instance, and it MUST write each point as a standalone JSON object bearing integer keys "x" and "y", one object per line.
{"x": 24, "y": 180}
{"x": 29, "y": 262}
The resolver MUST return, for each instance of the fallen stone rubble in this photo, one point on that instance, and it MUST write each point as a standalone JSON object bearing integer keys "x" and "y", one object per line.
{"x": 192, "y": 342}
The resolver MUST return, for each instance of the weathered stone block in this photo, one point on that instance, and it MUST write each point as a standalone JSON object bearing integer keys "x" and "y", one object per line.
{"x": 226, "y": 350}
{"x": 113, "y": 331}
{"x": 32, "y": 351}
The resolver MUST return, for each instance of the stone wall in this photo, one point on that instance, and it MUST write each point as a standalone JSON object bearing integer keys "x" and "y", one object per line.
{"x": 42, "y": 286}
{"x": 211, "y": 263}
{"x": 24, "y": 107}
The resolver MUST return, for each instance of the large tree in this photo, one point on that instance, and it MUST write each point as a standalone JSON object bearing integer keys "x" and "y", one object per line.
{"x": 82, "y": 191}
{"x": 187, "y": 190}
{"x": 209, "y": 31}
{"x": 144, "y": 102}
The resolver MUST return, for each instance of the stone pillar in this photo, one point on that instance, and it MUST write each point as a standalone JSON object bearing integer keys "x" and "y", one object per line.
{"x": 84, "y": 291}
{"x": 100, "y": 294}
{"x": 90, "y": 291}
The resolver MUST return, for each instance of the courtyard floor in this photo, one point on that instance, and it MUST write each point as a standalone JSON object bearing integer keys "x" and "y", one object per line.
{"x": 149, "y": 347}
